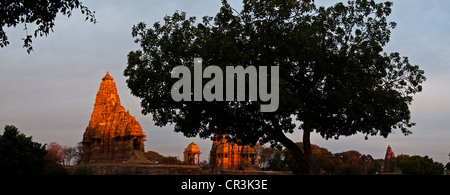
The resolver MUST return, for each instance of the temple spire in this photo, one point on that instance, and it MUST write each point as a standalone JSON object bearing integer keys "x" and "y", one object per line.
{"x": 389, "y": 153}
{"x": 107, "y": 77}
{"x": 389, "y": 161}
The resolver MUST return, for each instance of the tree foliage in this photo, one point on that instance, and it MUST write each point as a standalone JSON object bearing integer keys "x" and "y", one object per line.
{"x": 55, "y": 157}
{"x": 42, "y": 13}
{"x": 160, "y": 159}
{"x": 335, "y": 78}
{"x": 19, "y": 154}
{"x": 447, "y": 168}
{"x": 417, "y": 165}
{"x": 323, "y": 162}
{"x": 55, "y": 153}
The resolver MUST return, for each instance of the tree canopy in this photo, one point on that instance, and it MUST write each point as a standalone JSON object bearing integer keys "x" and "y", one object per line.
{"x": 41, "y": 13}
{"x": 417, "y": 165}
{"x": 160, "y": 159}
{"x": 19, "y": 154}
{"x": 323, "y": 162}
{"x": 335, "y": 78}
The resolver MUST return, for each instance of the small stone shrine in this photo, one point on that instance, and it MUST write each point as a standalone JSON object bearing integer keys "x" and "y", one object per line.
{"x": 189, "y": 154}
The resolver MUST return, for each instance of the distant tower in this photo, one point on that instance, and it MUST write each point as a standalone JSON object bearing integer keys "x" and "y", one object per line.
{"x": 389, "y": 161}
{"x": 190, "y": 152}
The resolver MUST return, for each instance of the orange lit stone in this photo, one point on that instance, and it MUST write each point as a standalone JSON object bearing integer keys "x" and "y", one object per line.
{"x": 190, "y": 152}
{"x": 113, "y": 135}
{"x": 389, "y": 161}
{"x": 231, "y": 156}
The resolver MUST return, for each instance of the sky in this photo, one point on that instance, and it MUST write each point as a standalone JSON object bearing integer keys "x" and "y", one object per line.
{"x": 50, "y": 93}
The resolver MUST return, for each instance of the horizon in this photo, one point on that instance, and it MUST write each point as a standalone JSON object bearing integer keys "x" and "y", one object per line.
{"x": 50, "y": 93}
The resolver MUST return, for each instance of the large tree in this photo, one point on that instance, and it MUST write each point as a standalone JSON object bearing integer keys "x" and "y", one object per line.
{"x": 41, "y": 13}
{"x": 417, "y": 165}
{"x": 334, "y": 78}
{"x": 19, "y": 154}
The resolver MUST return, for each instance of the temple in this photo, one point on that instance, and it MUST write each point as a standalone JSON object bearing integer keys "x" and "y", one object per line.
{"x": 227, "y": 155}
{"x": 189, "y": 154}
{"x": 389, "y": 161}
{"x": 113, "y": 135}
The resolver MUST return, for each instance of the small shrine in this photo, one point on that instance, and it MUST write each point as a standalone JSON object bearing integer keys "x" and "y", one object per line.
{"x": 189, "y": 154}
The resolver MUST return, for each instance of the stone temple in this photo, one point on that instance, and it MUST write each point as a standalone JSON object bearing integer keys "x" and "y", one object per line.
{"x": 389, "y": 161}
{"x": 227, "y": 155}
{"x": 113, "y": 135}
{"x": 190, "y": 154}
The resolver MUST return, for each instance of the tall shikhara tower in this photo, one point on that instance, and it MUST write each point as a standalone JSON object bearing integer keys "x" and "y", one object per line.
{"x": 389, "y": 161}
{"x": 113, "y": 135}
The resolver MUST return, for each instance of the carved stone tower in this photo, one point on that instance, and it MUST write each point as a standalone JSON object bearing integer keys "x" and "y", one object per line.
{"x": 113, "y": 135}
{"x": 389, "y": 161}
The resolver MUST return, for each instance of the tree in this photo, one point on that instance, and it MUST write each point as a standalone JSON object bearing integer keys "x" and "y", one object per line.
{"x": 351, "y": 163}
{"x": 323, "y": 161}
{"x": 447, "y": 168}
{"x": 205, "y": 165}
{"x": 160, "y": 159}
{"x": 170, "y": 160}
{"x": 19, "y": 155}
{"x": 55, "y": 153}
{"x": 55, "y": 160}
{"x": 417, "y": 165}
{"x": 334, "y": 77}
{"x": 278, "y": 163}
{"x": 154, "y": 156}
{"x": 371, "y": 166}
{"x": 266, "y": 156}
{"x": 41, "y": 13}
{"x": 78, "y": 152}
{"x": 69, "y": 154}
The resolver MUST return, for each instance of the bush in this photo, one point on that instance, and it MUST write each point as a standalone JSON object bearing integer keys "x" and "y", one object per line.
{"x": 81, "y": 170}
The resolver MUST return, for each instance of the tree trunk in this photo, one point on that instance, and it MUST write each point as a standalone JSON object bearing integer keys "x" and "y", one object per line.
{"x": 295, "y": 150}
{"x": 307, "y": 147}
